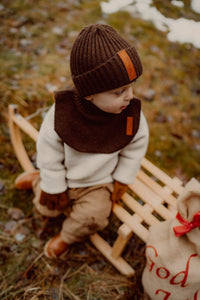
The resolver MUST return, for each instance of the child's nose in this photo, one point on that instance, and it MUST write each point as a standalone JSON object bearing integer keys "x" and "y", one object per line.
{"x": 129, "y": 93}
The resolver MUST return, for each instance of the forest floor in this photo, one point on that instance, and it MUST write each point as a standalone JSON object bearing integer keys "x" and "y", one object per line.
{"x": 36, "y": 38}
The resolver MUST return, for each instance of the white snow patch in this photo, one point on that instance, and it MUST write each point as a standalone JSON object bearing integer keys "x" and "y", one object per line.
{"x": 177, "y": 3}
{"x": 195, "y": 5}
{"x": 180, "y": 30}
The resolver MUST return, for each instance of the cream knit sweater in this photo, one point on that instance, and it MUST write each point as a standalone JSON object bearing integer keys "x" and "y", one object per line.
{"x": 62, "y": 166}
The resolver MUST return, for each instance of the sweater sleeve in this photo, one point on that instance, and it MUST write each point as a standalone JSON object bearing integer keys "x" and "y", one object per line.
{"x": 130, "y": 156}
{"x": 50, "y": 157}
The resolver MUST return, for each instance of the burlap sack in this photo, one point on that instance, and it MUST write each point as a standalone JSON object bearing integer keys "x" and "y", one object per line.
{"x": 172, "y": 270}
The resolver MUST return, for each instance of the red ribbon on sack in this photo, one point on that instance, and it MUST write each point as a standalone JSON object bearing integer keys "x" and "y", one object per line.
{"x": 187, "y": 226}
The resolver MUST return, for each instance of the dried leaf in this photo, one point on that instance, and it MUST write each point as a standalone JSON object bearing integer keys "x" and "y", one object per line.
{"x": 10, "y": 226}
{"x": 15, "y": 213}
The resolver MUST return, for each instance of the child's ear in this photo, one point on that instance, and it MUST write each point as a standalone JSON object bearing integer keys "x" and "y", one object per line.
{"x": 89, "y": 97}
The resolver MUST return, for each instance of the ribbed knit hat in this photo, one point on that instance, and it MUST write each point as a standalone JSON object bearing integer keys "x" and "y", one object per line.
{"x": 102, "y": 60}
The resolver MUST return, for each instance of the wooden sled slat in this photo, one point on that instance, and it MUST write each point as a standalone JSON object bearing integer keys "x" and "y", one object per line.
{"x": 119, "y": 263}
{"x": 16, "y": 137}
{"x": 158, "y": 189}
{"x": 132, "y": 221}
{"x": 144, "y": 211}
{"x": 148, "y": 196}
{"x": 150, "y": 199}
{"x": 175, "y": 184}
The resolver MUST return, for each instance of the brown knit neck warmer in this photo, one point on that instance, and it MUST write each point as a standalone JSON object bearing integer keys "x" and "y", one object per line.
{"x": 86, "y": 128}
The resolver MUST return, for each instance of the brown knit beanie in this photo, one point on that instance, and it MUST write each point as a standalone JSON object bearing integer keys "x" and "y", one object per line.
{"x": 102, "y": 60}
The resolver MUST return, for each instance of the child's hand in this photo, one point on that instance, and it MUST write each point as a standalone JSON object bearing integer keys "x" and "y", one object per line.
{"x": 119, "y": 190}
{"x": 54, "y": 201}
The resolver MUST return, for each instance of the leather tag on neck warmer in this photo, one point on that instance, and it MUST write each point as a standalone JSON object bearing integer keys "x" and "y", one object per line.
{"x": 129, "y": 126}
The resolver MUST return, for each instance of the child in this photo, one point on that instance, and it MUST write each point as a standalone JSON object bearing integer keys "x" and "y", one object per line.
{"x": 92, "y": 140}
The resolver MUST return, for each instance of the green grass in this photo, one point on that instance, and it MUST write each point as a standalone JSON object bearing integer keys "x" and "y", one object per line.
{"x": 32, "y": 56}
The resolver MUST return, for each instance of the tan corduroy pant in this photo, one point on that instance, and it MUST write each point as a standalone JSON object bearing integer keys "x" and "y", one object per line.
{"x": 88, "y": 211}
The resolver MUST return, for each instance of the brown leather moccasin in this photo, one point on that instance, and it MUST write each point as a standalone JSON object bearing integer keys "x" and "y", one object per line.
{"x": 55, "y": 247}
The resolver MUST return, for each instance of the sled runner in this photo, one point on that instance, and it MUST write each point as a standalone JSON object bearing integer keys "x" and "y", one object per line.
{"x": 150, "y": 199}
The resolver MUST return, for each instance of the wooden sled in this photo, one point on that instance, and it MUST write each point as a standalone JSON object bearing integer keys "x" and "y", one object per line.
{"x": 150, "y": 199}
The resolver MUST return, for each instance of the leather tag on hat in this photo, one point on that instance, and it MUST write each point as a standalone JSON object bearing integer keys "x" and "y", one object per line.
{"x": 128, "y": 64}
